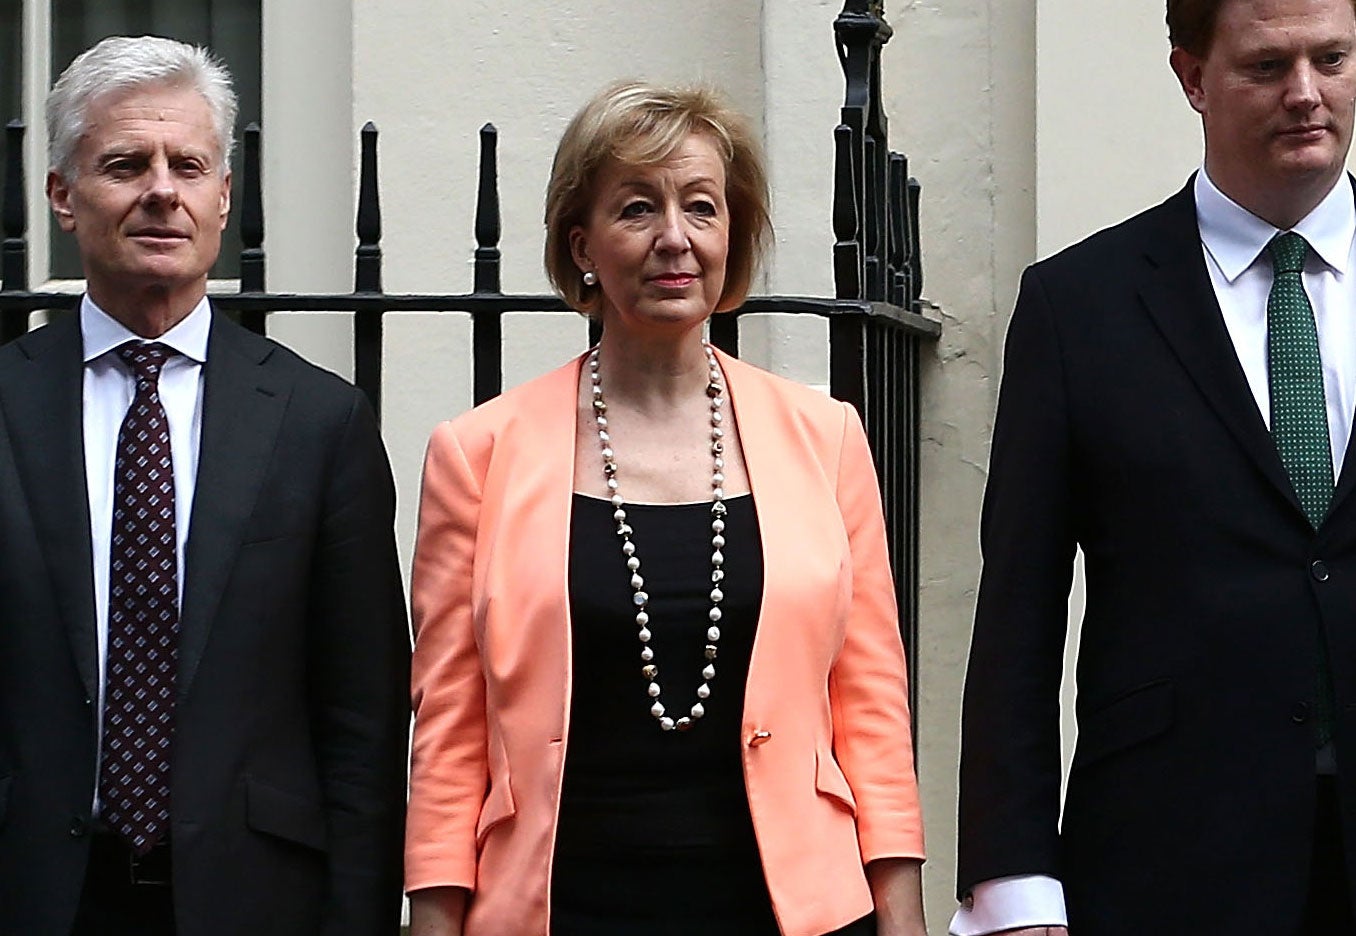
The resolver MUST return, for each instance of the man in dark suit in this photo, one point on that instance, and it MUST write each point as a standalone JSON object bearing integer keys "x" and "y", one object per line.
{"x": 203, "y": 646}
{"x": 1177, "y": 402}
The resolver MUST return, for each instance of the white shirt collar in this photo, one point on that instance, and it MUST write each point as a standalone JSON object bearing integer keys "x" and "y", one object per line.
{"x": 1235, "y": 237}
{"x": 101, "y": 333}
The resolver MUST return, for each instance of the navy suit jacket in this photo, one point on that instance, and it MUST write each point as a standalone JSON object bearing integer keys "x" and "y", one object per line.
{"x": 288, "y": 772}
{"x": 1126, "y": 427}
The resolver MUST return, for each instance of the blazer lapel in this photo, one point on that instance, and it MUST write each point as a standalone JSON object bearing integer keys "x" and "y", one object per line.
{"x": 792, "y": 512}
{"x": 1179, "y": 296}
{"x": 242, "y": 410}
{"x": 42, "y": 402}
{"x": 763, "y": 450}
{"x": 528, "y": 504}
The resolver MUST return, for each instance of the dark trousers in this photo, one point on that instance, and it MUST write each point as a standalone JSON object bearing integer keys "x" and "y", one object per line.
{"x": 123, "y": 897}
{"x": 1328, "y": 911}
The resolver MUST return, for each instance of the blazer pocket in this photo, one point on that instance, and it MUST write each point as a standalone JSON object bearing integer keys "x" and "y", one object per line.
{"x": 1137, "y": 716}
{"x": 284, "y": 815}
{"x": 830, "y": 782}
{"x": 267, "y": 538}
{"x": 497, "y": 809}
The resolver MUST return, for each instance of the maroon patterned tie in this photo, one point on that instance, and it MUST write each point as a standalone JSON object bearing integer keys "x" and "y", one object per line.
{"x": 143, "y": 616}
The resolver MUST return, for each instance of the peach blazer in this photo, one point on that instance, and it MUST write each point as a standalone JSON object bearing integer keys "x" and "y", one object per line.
{"x": 828, "y": 763}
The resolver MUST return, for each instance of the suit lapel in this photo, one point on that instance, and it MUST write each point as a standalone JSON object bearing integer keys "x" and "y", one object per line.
{"x": 42, "y": 401}
{"x": 1178, "y": 294}
{"x": 243, "y": 404}
{"x": 1346, "y": 481}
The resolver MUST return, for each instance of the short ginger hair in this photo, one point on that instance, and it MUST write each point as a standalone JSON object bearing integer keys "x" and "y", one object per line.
{"x": 1191, "y": 24}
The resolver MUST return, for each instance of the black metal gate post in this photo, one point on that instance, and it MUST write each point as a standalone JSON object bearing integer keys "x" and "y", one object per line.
{"x": 873, "y": 362}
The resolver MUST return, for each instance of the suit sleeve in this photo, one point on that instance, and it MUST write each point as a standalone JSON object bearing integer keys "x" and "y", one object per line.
{"x": 868, "y": 685}
{"x": 450, "y": 770}
{"x": 1010, "y": 752}
{"x": 359, "y": 661}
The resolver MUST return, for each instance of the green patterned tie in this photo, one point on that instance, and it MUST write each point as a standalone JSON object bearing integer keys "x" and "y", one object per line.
{"x": 1299, "y": 412}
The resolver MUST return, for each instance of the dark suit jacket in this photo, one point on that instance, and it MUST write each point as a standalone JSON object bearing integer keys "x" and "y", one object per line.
{"x": 1125, "y": 426}
{"x": 288, "y": 779}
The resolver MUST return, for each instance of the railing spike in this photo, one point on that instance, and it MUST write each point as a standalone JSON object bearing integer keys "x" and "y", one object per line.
{"x": 367, "y": 325}
{"x": 847, "y": 251}
{"x": 367, "y": 268}
{"x": 14, "y": 213}
{"x": 488, "y": 223}
{"x": 14, "y": 222}
{"x": 873, "y": 197}
{"x": 897, "y": 230}
{"x": 915, "y": 297}
{"x": 252, "y": 261}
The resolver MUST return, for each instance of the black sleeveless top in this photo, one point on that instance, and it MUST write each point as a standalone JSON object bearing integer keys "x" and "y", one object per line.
{"x": 655, "y": 835}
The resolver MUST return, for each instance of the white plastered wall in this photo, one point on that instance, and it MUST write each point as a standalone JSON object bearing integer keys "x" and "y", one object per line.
{"x": 1114, "y": 134}
{"x": 308, "y": 169}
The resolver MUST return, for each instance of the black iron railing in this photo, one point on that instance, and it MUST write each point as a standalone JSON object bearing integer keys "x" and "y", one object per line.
{"x": 875, "y": 320}
{"x": 877, "y": 258}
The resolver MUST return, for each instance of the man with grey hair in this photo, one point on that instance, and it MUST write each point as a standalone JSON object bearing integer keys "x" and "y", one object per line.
{"x": 204, "y": 652}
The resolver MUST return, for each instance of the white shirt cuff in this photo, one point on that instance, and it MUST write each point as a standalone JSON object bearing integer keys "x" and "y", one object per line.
{"x": 1011, "y": 903}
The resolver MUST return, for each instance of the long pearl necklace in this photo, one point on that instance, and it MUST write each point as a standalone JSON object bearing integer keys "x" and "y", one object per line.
{"x": 715, "y": 390}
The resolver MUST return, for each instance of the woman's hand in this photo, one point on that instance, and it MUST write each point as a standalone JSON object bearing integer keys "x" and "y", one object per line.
{"x": 897, "y": 890}
{"x": 437, "y": 911}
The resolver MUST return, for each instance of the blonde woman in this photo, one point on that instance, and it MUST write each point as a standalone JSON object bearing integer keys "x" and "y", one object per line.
{"x": 659, "y": 686}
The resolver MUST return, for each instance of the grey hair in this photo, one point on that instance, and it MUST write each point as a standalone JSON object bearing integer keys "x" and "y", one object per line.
{"x": 122, "y": 63}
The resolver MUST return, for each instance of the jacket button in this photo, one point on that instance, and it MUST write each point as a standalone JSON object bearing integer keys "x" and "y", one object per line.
{"x": 78, "y": 827}
{"x": 1319, "y": 570}
{"x": 760, "y": 738}
{"x": 1299, "y": 713}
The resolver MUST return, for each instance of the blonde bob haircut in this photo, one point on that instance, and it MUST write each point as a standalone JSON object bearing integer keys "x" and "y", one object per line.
{"x": 638, "y": 124}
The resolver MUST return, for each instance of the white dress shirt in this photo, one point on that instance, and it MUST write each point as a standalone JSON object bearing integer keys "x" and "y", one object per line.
{"x": 109, "y": 386}
{"x": 1234, "y": 242}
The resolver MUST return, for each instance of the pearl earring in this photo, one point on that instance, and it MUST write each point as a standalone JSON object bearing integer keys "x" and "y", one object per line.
{"x": 590, "y": 278}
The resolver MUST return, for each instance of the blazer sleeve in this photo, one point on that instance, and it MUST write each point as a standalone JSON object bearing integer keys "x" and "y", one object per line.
{"x": 868, "y": 685}
{"x": 359, "y": 667}
{"x": 1010, "y": 752}
{"x": 449, "y": 770}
